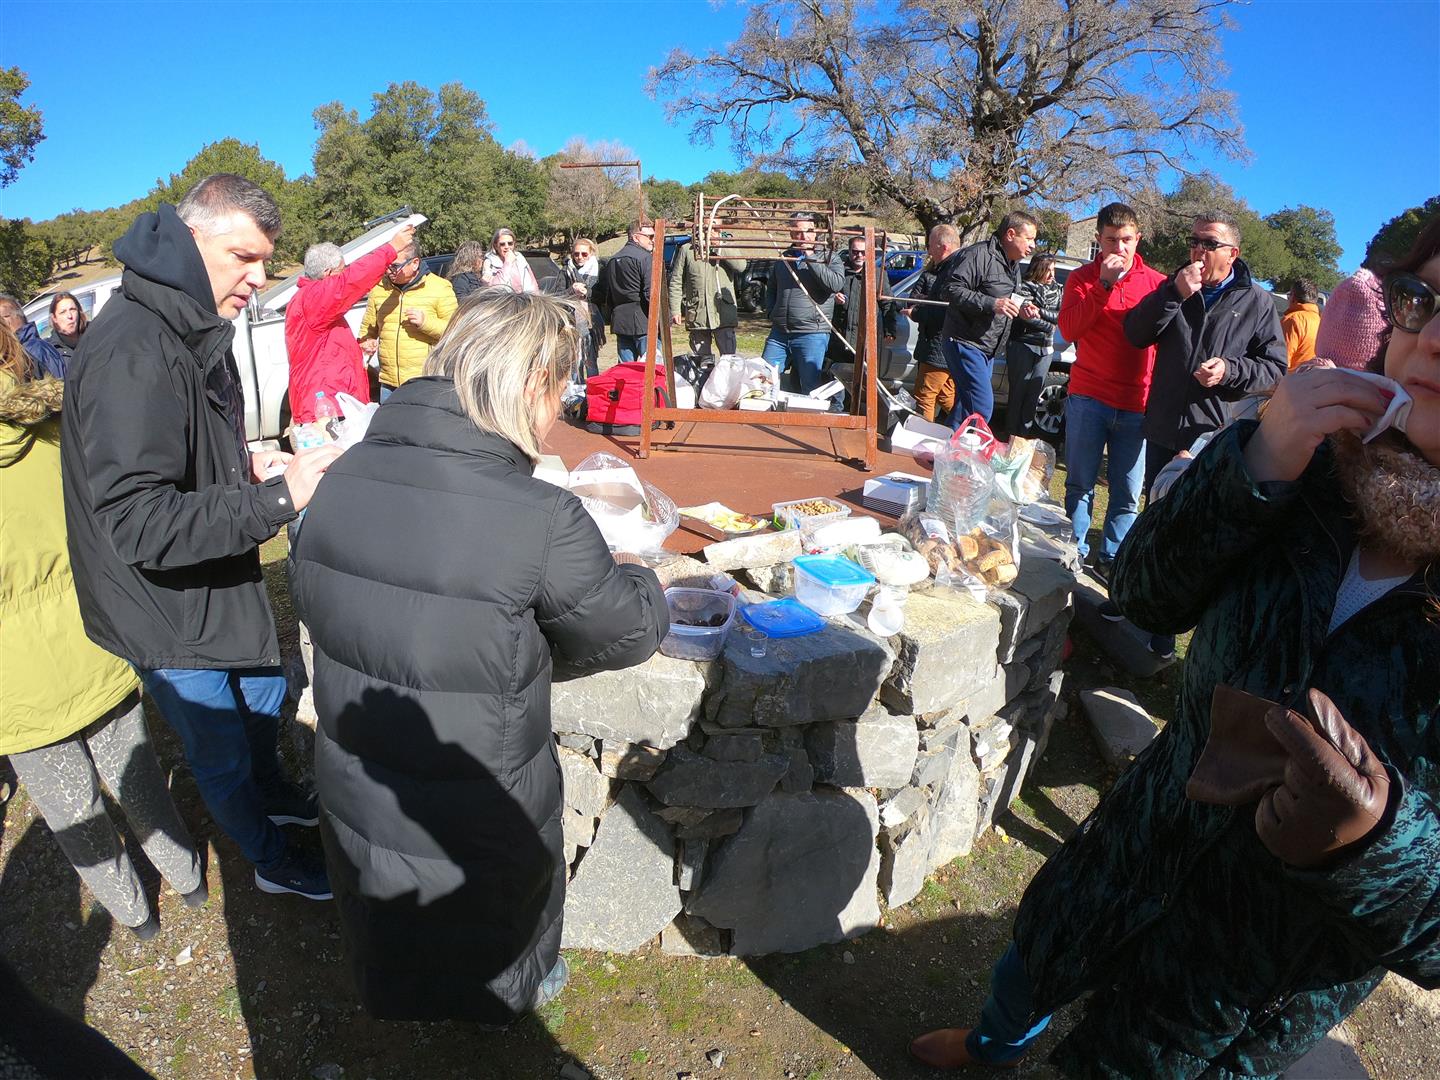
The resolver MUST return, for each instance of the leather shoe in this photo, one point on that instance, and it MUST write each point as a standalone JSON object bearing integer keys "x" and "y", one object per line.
{"x": 945, "y": 1048}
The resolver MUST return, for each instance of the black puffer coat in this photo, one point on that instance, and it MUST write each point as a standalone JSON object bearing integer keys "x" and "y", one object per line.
{"x": 972, "y": 280}
{"x": 437, "y": 576}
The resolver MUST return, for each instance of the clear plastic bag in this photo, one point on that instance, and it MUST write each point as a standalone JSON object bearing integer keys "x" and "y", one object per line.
{"x": 733, "y": 377}
{"x": 1023, "y": 470}
{"x": 633, "y": 514}
{"x": 964, "y": 479}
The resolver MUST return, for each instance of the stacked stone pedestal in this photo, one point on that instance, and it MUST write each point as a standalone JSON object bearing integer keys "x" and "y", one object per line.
{"x": 759, "y": 804}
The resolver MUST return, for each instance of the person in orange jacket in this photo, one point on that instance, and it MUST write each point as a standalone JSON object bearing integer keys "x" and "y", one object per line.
{"x": 1301, "y": 322}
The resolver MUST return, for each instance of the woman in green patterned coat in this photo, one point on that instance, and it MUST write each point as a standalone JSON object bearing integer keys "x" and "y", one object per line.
{"x": 1222, "y": 929}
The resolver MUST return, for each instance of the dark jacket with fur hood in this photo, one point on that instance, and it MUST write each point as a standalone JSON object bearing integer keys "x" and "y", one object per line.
{"x": 164, "y": 523}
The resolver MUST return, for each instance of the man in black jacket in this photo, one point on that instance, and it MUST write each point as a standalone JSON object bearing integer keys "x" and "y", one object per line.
{"x": 625, "y": 286}
{"x": 165, "y": 507}
{"x": 850, "y": 312}
{"x": 982, "y": 284}
{"x": 1217, "y": 338}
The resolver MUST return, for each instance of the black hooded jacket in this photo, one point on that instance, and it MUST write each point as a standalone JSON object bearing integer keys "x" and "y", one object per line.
{"x": 163, "y": 520}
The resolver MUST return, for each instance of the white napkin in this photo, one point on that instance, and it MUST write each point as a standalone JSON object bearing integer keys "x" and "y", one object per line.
{"x": 1397, "y": 415}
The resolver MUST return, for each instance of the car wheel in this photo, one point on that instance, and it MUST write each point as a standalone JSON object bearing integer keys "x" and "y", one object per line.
{"x": 1050, "y": 409}
{"x": 285, "y": 417}
{"x": 752, "y": 295}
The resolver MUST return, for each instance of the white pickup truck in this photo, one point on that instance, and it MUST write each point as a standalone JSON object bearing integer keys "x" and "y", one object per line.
{"x": 259, "y": 332}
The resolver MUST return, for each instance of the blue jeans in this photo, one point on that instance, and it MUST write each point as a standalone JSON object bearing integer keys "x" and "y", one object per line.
{"x": 631, "y": 346}
{"x": 385, "y": 392}
{"x": 1091, "y": 426}
{"x": 1007, "y": 1026}
{"x": 229, "y": 722}
{"x": 971, "y": 369}
{"x": 804, "y": 352}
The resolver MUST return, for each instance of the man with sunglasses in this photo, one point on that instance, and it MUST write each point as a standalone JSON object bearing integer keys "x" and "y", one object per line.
{"x": 625, "y": 288}
{"x": 408, "y": 311}
{"x": 324, "y": 355}
{"x": 1217, "y": 338}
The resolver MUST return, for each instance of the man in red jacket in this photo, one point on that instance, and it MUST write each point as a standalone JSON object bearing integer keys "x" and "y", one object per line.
{"x": 324, "y": 354}
{"x": 1109, "y": 381}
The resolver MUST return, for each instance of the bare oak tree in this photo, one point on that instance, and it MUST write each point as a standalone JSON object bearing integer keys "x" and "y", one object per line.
{"x": 591, "y": 202}
{"x": 952, "y": 108}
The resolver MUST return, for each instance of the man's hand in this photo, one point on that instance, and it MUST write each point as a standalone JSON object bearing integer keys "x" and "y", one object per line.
{"x": 1004, "y": 305}
{"x": 889, "y": 339}
{"x": 266, "y": 463}
{"x": 676, "y": 320}
{"x": 1309, "y": 404}
{"x": 368, "y": 345}
{"x": 1335, "y": 793}
{"x": 579, "y": 289}
{"x": 1030, "y": 311}
{"x": 1111, "y": 267}
{"x": 303, "y": 473}
{"x": 1187, "y": 281}
{"x": 403, "y": 237}
{"x": 414, "y": 317}
{"x": 839, "y": 298}
{"x": 1211, "y": 372}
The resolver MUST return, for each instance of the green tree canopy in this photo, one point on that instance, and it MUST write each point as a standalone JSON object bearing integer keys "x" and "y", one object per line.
{"x": 1167, "y": 220}
{"x": 1309, "y": 237}
{"x": 21, "y": 129}
{"x": 431, "y": 151}
{"x": 1395, "y": 237}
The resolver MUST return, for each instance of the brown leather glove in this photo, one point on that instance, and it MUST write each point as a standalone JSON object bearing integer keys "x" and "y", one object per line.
{"x": 1335, "y": 791}
{"x": 1241, "y": 760}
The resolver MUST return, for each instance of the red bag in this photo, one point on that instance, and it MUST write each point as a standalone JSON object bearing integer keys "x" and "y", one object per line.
{"x": 614, "y": 399}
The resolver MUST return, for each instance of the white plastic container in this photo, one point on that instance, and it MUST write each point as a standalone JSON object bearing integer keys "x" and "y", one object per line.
{"x": 697, "y": 642}
{"x": 830, "y": 584}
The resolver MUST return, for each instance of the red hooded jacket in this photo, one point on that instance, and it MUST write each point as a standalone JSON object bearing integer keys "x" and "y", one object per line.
{"x": 324, "y": 354}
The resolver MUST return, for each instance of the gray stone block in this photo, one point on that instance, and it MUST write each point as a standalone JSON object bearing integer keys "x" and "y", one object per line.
{"x": 946, "y": 652}
{"x": 684, "y": 572}
{"x": 902, "y": 806}
{"x": 801, "y": 872}
{"x": 739, "y": 746}
{"x": 1047, "y": 657}
{"x": 801, "y": 775}
{"x": 831, "y": 674}
{"x": 578, "y": 831}
{"x": 624, "y": 892}
{"x": 764, "y": 549}
{"x": 690, "y": 864}
{"x": 999, "y": 788}
{"x": 879, "y": 753}
{"x": 587, "y": 790}
{"x": 777, "y": 580}
{"x": 1122, "y": 727}
{"x": 956, "y": 808}
{"x": 653, "y": 703}
{"x": 581, "y": 744}
{"x": 1011, "y": 608}
{"x": 690, "y": 935}
{"x": 937, "y": 747}
{"x": 627, "y": 761}
{"x": 905, "y": 859}
{"x": 688, "y": 779}
{"x": 714, "y": 825}
{"x": 1047, "y": 587}
{"x": 681, "y": 816}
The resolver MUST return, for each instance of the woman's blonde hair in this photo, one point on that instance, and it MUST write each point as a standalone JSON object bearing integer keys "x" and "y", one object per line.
{"x": 14, "y": 360}
{"x": 495, "y": 344}
{"x": 469, "y": 256}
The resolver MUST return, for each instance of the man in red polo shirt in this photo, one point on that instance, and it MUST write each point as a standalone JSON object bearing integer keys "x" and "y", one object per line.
{"x": 1109, "y": 382}
{"x": 324, "y": 354}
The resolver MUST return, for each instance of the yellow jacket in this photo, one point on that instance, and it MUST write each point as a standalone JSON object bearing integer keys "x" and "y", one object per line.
{"x": 403, "y": 348}
{"x": 1300, "y": 323}
{"x": 53, "y": 679}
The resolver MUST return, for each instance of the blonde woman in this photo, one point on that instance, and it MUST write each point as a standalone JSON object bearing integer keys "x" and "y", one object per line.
{"x": 434, "y": 642}
{"x": 70, "y": 712}
{"x": 506, "y": 266}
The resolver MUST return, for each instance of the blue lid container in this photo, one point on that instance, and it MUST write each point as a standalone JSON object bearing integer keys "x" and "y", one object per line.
{"x": 834, "y": 571}
{"x": 782, "y": 618}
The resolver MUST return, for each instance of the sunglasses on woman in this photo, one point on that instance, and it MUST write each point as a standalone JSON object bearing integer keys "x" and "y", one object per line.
{"x": 1409, "y": 302}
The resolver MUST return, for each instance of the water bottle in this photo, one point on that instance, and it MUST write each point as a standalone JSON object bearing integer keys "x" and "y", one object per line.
{"x": 327, "y": 415}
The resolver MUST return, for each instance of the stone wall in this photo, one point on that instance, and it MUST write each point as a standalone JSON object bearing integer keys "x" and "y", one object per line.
{"x": 755, "y": 805}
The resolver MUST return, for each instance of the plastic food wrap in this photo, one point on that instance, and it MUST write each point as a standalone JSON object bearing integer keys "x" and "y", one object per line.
{"x": 633, "y": 515}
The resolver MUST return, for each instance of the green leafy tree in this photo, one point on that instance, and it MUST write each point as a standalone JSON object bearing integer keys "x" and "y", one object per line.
{"x": 1309, "y": 238}
{"x": 431, "y": 151}
{"x": 21, "y": 129}
{"x": 244, "y": 159}
{"x": 1395, "y": 237}
{"x": 668, "y": 200}
{"x": 951, "y": 107}
{"x": 25, "y": 258}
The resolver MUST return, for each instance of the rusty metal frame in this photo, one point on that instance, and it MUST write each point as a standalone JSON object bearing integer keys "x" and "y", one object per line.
{"x": 862, "y": 383}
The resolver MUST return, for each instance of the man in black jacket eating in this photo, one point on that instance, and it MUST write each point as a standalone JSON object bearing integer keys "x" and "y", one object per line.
{"x": 165, "y": 508}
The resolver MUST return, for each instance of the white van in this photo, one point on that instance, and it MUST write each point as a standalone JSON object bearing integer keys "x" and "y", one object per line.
{"x": 259, "y": 345}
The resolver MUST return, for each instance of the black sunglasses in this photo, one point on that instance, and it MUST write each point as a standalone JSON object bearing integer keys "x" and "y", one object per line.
{"x": 1208, "y": 243}
{"x": 396, "y": 267}
{"x": 1409, "y": 302}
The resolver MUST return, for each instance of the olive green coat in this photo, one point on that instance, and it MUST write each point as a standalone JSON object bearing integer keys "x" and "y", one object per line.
{"x": 1204, "y": 952}
{"x": 53, "y": 679}
{"x": 703, "y": 293}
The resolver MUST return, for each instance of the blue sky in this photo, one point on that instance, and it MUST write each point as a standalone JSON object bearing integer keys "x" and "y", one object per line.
{"x": 1339, "y": 98}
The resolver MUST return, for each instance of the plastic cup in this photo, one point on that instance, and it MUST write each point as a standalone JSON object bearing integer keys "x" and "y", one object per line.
{"x": 757, "y": 641}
